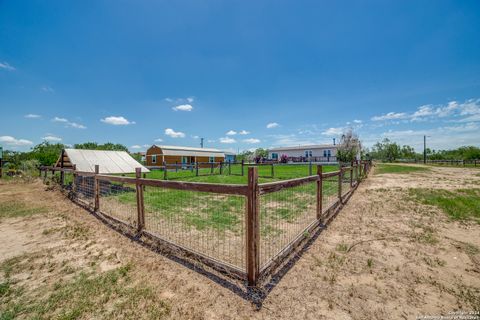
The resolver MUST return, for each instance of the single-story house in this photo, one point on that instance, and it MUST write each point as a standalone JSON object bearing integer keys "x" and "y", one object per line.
{"x": 157, "y": 155}
{"x": 315, "y": 153}
{"x": 111, "y": 162}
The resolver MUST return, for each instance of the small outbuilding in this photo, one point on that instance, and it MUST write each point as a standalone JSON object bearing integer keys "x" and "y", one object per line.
{"x": 157, "y": 155}
{"x": 111, "y": 162}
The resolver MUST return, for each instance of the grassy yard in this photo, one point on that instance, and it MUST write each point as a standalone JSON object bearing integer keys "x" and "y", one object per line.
{"x": 382, "y": 168}
{"x": 461, "y": 204}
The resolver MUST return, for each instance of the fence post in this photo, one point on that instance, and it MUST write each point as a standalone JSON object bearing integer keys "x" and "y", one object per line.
{"x": 319, "y": 192}
{"x": 176, "y": 166}
{"x": 211, "y": 168}
{"x": 140, "y": 206}
{"x": 221, "y": 167}
{"x": 253, "y": 227}
{"x": 74, "y": 175}
{"x": 164, "y": 170}
{"x": 196, "y": 168}
{"x": 340, "y": 173}
{"x": 310, "y": 168}
{"x": 229, "y": 167}
{"x": 273, "y": 172}
{"x": 96, "y": 189}
{"x": 351, "y": 175}
{"x": 242, "y": 166}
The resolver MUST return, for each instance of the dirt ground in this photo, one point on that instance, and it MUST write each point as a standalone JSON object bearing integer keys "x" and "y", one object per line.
{"x": 384, "y": 256}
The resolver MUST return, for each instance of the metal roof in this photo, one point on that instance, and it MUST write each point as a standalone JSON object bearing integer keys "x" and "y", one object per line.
{"x": 108, "y": 161}
{"x": 190, "y": 151}
{"x": 306, "y": 147}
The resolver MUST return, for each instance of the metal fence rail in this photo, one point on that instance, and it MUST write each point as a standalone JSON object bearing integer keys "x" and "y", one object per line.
{"x": 246, "y": 230}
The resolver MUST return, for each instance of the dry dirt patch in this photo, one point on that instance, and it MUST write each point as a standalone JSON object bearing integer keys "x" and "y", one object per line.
{"x": 384, "y": 256}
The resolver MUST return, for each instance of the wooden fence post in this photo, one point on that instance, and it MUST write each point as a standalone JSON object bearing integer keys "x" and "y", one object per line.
{"x": 229, "y": 167}
{"x": 273, "y": 172}
{"x": 196, "y": 168}
{"x": 74, "y": 175}
{"x": 96, "y": 189}
{"x": 164, "y": 170}
{"x": 319, "y": 192}
{"x": 310, "y": 168}
{"x": 351, "y": 175}
{"x": 242, "y": 167}
{"x": 221, "y": 167}
{"x": 340, "y": 174}
{"x": 253, "y": 227}
{"x": 140, "y": 205}
{"x": 211, "y": 168}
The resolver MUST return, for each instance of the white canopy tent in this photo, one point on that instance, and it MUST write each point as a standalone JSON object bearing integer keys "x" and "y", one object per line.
{"x": 112, "y": 162}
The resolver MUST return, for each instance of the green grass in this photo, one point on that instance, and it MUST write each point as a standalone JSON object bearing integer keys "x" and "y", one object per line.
{"x": 461, "y": 204}
{"x": 382, "y": 168}
{"x": 14, "y": 209}
{"x": 108, "y": 295}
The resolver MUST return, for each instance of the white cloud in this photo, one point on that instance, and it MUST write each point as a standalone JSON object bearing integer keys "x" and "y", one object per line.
{"x": 57, "y": 119}
{"x": 52, "y": 138}
{"x": 390, "y": 116}
{"x": 32, "y": 116}
{"x": 68, "y": 123}
{"x": 251, "y": 140}
{"x": 244, "y": 132}
{"x": 6, "y": 66}
{"x": 333, "y": 131}
{"x": 117, "y": 121}
{"x": 158, "y": 140}
{"x": 48, "y": 89}
{"x": 169, "y": 99}
{"x": 227, "y": 140}
{"x": 357, "y": 121}
{"x": 195, "y": 137}
{"x": 136, "y": 146}
{"x": 11, "y": 141}
{"x": 174, "y": 134}
{"x": 272, "y": 125}
{"x": 190, "y": 99}
{"x": 231, "y": 133}
{"x": 183, "y": 107}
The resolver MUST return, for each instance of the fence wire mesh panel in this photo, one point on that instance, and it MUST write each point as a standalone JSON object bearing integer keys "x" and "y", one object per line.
{"x": 119, "y": 200}
{"x": 206, "y": 223}
{"x": 234, "y": 169}
{"x": 292, "y": 171}
{"x": 85, "y": 189}
{"x": 346, "y": 174}
{"x": 329, "y": 192}
{"x": 67, "y": 180}
{"x": 284, "y": 215}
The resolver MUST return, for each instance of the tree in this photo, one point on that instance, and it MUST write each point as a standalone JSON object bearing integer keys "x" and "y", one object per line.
{"x": 407, "y": 152}
{"x": 96, "y": 146}
{"x": 349, "y": 147}
{"x": 47, "y": 153}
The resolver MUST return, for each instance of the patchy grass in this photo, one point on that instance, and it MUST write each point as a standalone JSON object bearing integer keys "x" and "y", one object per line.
{"x": 460, "y": 204}
{"x": 14, "y": 209}
{"x": 108, "y": 295}
{"x": 382, "y": 168}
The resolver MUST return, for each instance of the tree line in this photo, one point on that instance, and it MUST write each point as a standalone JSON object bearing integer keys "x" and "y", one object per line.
{"x": 387, "y": 150}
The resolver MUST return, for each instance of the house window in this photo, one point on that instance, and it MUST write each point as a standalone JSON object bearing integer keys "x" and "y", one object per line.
{"x": 184, "y": 160}
{"x": 154, "y": 158}
{"x": 211, "y": 159}
{"x": 275, "y": 156}
{"x": 327, "y": 153}
{"x": 308, "y": 153}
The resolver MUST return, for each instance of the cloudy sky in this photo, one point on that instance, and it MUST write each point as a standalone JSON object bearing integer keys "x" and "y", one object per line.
{"x": 240, "y": 74}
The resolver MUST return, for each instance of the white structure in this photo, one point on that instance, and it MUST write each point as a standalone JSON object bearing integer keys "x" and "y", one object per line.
{"x": 108, "y": 161}
{"x": 315, "y": 153}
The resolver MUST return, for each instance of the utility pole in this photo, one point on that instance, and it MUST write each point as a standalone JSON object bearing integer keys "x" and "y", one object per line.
{"x": 201, "y": 142}
{"x": 424, "y": 149}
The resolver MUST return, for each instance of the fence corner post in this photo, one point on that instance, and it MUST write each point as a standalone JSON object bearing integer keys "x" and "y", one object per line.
{"x": 140, "y": 205}
{"x": 97, "y": 189}
{"x": 319, "y": 193}
{"x": 253, "y": 228}
{"x": 74, "y": 179}
{"x": 351, "y": 175}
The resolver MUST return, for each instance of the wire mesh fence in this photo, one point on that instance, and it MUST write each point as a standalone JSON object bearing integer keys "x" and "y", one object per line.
{"x": 284, "y": 215}
{"x": 207, "y": 223}
{"x": 119, "y": 200}
{"x": 214, "y": 221}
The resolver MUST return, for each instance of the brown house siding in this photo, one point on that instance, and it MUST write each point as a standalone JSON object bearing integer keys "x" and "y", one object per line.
{"x": 154, "y": 150}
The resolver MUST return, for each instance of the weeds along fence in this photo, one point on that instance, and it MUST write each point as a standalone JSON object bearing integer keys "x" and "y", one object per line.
{"x": 245, "y": 230}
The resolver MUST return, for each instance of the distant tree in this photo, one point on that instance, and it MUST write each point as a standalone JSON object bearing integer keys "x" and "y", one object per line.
{"x": 407, "y": 152}
{"x": 46, "y": 153}
{"x": 349, "y": 147}
{"x": 386, "y": 150}
{"x": 105, "y": 146}
{"x": 246, "y": 155}
{"x": 261, "y": 153}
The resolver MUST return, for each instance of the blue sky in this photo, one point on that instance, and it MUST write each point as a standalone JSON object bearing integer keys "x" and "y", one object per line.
{"x": 241, "y": 74}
